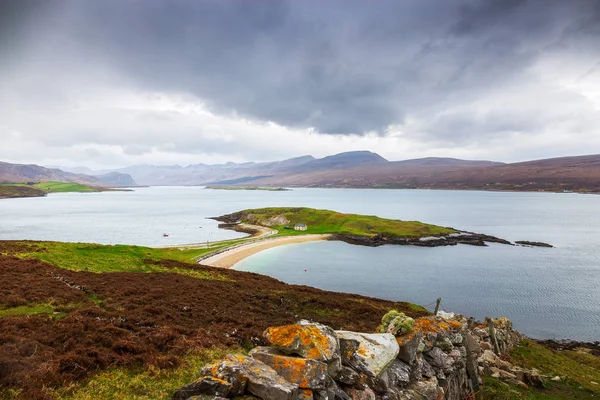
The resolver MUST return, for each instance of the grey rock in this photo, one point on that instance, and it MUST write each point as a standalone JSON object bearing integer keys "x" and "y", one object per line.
{"x": 350, "y": 377}
{"x": 348, "y": 348}
{"x": 376, "y": 351}
{"x": 365, "y": 394}
{"x": 427, "y": 369}
{"x": 204, "y": 386}
{"x": 409, "y": 346}
{"x": 398, "y": 373}
{"x": 304, "y": 372}
{"x": 444, "y": 344}
{"x": 455, "y": 338}
{"x": 258, "y": 378}
{"x": 438, "y": 359}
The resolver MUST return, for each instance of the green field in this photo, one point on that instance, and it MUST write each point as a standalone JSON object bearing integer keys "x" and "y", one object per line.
{"x": 331, "y": 222}
{"x": 100, "y": 258}
{"x": 56, "y": 187}
{"x": 65, "y": 187}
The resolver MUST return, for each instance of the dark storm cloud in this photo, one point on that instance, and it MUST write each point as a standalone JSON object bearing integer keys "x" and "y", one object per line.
{"x": 343, "y": 66}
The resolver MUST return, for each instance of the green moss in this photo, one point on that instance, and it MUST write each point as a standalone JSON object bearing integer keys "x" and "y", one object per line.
{"x": 27, "y": 310}
{"x": 396, "y": 323}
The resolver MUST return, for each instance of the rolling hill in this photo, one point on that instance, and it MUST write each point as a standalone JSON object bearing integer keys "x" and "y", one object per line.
{"x": 22, "y": 173}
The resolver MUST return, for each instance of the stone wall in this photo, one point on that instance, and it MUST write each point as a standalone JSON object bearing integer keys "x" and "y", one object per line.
{"x": 431, "y": 358}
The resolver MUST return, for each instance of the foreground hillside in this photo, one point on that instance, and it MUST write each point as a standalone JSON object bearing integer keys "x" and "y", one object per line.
{"x": 86, "y": 321}
{"x": 59, "y": 326}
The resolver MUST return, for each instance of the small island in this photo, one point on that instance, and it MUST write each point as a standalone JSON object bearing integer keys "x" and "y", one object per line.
{"x": 40, "y": 189}
{"x": 268, "y": 189}
{"x": 271, "y": 227}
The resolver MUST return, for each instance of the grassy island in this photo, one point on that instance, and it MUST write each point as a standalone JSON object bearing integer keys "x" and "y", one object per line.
{"x": 331, "y": 222}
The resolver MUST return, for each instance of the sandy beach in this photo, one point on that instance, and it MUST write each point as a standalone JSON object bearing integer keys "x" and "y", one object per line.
{"x": 230, "y": 257}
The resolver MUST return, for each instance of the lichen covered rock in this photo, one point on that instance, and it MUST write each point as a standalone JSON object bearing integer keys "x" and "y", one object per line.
{"x": 375, "y": 351}
{"x": 306, "y": 339}
{"x": 246, "y": 373}
{"x": 304, "y": 372}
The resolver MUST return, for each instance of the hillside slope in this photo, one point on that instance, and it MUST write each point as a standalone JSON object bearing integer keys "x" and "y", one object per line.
{"x": 22, "y": 173}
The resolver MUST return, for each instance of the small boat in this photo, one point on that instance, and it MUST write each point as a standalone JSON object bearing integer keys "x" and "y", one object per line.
{"x": 165, "y": 235}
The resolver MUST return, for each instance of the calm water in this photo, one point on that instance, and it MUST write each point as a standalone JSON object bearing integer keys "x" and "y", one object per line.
{"x": 546, "y": 292}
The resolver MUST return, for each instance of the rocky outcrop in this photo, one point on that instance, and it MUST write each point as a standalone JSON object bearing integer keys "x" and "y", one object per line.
{"x": 440, "y": 358}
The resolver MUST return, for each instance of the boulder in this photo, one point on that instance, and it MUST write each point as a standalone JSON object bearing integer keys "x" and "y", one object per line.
{"x": 473, "y": 345}
{"x": 426, "y": 389}
{"x": 348, "y": 348}
{"x": 364, "y": 394}
{"x": 455, "y": 338}
{"x": 438, "y": 359}
{"x": 408, "y": 346}
{"x": 398, "y": 373}
{"x": 375, "y": 351}
{"x": 248, "y": 374}
{"x": 206, "y": 385}
{"x": 351, "y": 378}
{"x": 304, "y": 372}
{"x": 332, "y": 392}
{"x": 306, "y": 339}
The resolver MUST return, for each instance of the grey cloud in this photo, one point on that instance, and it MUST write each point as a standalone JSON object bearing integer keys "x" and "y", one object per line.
{"x": 341, "y": 66}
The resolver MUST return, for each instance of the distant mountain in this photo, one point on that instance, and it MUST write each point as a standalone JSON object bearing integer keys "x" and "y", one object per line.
{"x": 581, "y": 173}
{"x": 20, "y": 173}
{"x": 367, "y": 169}
{"x": 445, "y": 162}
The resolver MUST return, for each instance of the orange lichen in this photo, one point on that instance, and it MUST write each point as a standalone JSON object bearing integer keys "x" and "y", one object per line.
{"x": 295, "y": 370}
{"x": 315, "y": 343}
{"x": 430, "y": 325}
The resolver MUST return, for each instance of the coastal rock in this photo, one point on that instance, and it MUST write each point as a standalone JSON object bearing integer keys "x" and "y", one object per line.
{"x": 375, "y": 351}
{"x": 247, "y": 374}
{"x": 304, "y": 372}
{"x": 306, "y": 339}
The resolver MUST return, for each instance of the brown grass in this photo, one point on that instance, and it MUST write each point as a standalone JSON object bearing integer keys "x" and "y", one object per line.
{"x": 149, "y": 319}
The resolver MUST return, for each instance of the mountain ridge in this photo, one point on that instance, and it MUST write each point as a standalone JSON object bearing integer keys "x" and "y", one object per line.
{"x": 360, "y": 169}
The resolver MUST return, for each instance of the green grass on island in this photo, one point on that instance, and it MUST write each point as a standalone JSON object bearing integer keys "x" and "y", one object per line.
{"x": 65, "y": 187}
{"x": 331, "y": 222}
{"x": 55, "y": 187}
{"x": 268, "y": 189}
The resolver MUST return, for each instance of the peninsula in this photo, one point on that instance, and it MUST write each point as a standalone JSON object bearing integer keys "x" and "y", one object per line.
{"x": 289, "y": 225}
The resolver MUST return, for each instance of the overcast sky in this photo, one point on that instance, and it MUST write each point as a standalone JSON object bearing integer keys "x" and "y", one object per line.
{"x": 117, "y": 82}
